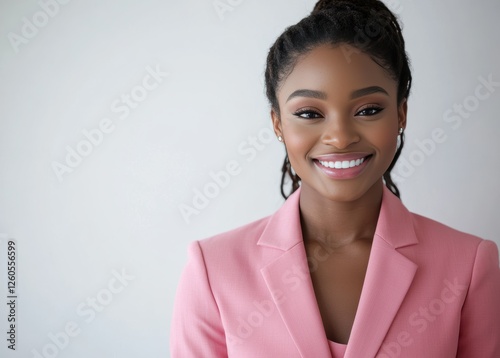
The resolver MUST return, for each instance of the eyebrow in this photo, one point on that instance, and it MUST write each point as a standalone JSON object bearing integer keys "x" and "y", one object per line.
{"x": 368, "y": 90}
{"x": 307, "y": 93}
{"x": 322, "y": 95}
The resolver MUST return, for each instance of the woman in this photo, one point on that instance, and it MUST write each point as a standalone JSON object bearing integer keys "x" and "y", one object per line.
{"x": 343, "y": 269}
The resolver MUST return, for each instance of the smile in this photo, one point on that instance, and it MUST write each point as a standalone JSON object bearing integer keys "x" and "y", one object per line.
{"x": 345, "y": 164}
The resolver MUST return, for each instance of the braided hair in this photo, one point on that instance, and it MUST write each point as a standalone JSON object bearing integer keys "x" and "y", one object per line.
{"x": 368, "y": 26}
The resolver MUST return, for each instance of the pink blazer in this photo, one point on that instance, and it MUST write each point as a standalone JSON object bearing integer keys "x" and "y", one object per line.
{"x": 429, "y": 292}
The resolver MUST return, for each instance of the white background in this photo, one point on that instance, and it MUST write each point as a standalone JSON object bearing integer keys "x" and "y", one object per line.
{"x": 119, "y": 208}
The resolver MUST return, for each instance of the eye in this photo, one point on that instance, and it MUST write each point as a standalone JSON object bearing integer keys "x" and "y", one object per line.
{"x": 370, "y": 111}
{"x": 307, "y": 113}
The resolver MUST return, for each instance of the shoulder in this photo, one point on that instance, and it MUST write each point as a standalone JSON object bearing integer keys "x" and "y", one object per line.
{"x": 255, "y": 244}
{"x": 247, "y": 234}
{"x": 404, "y": 228}
{"x": 444, "y": 244}
{"x": 429, "y": 228}
{"x": 232, "y": 247}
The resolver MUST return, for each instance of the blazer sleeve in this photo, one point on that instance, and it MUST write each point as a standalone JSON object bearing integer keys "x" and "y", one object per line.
{"x": 196, "y": 329}
{"x": 480, "y": 322}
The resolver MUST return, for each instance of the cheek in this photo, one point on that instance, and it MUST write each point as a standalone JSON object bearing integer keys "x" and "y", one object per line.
{"x": 300, "y": 139}
{"x": 386, "y": 140}
{"x": 389, "y": 141}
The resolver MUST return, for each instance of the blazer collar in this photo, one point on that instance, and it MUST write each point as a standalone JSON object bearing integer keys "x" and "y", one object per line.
{"x": 394, "y": 226}
{"x": 395, "y": 223}
{"x": 388, "y": 278}
{"x": 283, "y": 230}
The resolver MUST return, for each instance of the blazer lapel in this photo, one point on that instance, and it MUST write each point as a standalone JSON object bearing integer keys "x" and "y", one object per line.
{"x": 289, "y": 281}
{"x": 290, "y": 285}
{"x": 389, "y": 276}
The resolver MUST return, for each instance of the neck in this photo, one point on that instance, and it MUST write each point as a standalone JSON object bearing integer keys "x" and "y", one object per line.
{"x": 335, "y": 224}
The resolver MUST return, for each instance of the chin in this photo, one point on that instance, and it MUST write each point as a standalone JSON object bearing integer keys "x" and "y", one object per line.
{"x": 344, "y": 191}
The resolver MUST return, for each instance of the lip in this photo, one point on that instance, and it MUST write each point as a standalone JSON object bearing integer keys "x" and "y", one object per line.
{"x": 347, "y": 173}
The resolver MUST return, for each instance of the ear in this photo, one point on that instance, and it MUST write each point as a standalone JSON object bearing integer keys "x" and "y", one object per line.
{"x": 276, "y": 123}
{"x": 402, "y": 111}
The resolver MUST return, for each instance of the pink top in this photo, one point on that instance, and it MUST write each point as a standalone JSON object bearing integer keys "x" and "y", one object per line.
{"x": 337, "y": 349}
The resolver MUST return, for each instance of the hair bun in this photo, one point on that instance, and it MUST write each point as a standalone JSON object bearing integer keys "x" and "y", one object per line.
{"x": 322, "y": 5}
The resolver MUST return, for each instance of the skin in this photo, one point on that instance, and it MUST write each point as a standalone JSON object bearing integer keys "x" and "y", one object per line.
{"x": 339, "y": 216}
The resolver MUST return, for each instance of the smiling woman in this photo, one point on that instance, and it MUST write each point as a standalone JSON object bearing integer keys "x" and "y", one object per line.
{"x": 347, "y": 111}
{"x": 343, "y": 269}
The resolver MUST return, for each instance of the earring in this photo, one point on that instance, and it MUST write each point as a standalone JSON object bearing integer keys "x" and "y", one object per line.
{"x": 401, "y": 130}
{"x": 280, "y": 139}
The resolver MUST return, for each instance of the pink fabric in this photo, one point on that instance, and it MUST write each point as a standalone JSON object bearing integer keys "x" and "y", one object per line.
{"x": 429, "y": 291}
{"x": 337, "y": 349}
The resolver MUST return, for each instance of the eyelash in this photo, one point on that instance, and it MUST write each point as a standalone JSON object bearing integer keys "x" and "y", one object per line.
{"x": 308, "y": 111}
{"x": 302, "y": 111}
{"x": 372, "y": 108}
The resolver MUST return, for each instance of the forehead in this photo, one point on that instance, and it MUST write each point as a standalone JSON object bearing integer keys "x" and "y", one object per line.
{"x": 337, "y": 70}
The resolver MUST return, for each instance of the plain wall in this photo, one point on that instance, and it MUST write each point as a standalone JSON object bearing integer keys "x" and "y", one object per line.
{"x": 101, "y": 242}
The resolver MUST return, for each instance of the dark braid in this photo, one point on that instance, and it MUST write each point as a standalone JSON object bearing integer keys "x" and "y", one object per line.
{"x": 367, "y": 25}
{"x": 387, "y": 175}
{"x": 287, "y": 170}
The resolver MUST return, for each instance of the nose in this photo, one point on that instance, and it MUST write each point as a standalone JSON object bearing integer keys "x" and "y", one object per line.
{"x": 340, "y": 133}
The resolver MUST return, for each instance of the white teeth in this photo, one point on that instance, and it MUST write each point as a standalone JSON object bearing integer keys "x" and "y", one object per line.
{"x": 343, "y": 164}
